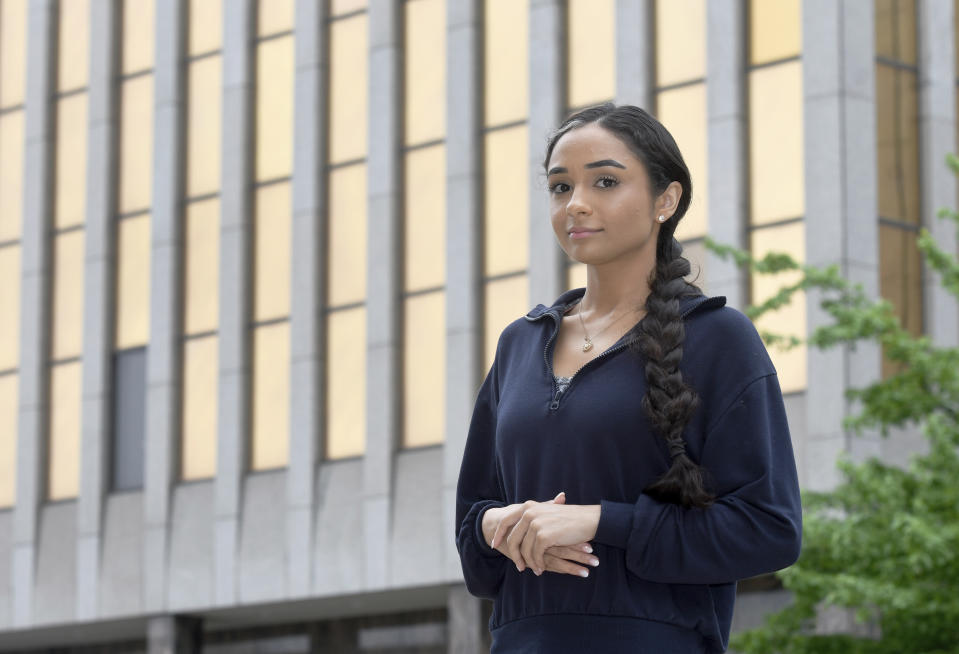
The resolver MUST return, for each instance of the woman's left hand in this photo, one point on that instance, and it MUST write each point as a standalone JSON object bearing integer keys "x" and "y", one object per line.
{"x": 543, "y": 524}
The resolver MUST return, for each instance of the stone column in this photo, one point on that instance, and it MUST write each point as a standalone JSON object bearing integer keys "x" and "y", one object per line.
{"x": 937, "y": 137}
{"x": 547, "y": 107}
{"x": 464, "y": 208}
{"x": 842, "y": 223}
{"x": 726, "y": 134}
{"x": 98, "y": 281}
{"x": 635, "y": 37}
{"x": 384, "y": 275}
{"x": 307, "y": 324}
{"x": 233, "y": 414}
{"x": 34, "y": 303}
{"x": 162, "y": 428}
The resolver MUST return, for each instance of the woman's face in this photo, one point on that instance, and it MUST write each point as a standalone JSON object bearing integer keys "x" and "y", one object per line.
{"x": 598, "y": 185}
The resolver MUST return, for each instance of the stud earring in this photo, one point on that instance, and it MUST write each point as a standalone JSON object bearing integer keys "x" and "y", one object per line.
{"x": 662, "y": 218}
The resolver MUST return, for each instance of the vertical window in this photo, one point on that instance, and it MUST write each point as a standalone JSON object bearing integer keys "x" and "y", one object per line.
{"x": 776, "y": 174}
{"x": 680, "y": 101}
{"x": 201, "y": 236}
{"x": 424, "y": 223}
{"x": 897, "y": 148}
{"x": 346, "y": 231}
{"x": 505, "y": 166}
{"x": 70, "y": 109}
{"x": 591, "y": 70}
{"x": 135, "y": 167}
{"x": 273, "y": 220}
{"x": 13, "y": 27}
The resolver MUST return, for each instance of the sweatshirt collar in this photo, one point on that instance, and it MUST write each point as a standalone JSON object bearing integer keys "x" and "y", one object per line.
{"x": 687, "y": 304}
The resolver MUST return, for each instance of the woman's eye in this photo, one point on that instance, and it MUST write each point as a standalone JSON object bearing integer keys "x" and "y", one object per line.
{"x": 555, "y": 188}
{"x": 612, "y": 181}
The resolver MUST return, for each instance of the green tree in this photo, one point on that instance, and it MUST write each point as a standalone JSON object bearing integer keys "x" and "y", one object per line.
{"x": 884, "y": 543}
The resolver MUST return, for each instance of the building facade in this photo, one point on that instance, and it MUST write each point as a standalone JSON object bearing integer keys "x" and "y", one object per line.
{"x": 255, "y": 256}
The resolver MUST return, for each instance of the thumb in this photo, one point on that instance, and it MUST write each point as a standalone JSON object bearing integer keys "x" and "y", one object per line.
{"x": 560, "y": 498}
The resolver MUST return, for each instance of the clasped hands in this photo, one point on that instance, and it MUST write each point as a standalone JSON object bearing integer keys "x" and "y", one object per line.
{"x": 544, "y": 535}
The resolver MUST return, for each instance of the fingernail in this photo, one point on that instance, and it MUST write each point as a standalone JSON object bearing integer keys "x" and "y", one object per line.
{"x": 517, "y": 568}
{"x": 588, "y": 549}
{"x": 594, "y": 562}
{"x": 584, "y": 573}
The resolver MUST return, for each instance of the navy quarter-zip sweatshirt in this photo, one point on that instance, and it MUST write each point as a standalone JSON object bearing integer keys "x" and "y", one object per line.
{"x": 666, "y": 580}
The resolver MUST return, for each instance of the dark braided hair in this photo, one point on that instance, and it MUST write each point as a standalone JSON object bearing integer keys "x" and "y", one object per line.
{"x": 669, "y": 401}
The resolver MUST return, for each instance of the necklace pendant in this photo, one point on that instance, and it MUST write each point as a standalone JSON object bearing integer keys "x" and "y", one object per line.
{"x": 588, "y": 345}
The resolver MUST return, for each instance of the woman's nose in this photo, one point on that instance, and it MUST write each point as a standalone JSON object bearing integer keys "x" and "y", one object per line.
{"x": 577, "y": 204}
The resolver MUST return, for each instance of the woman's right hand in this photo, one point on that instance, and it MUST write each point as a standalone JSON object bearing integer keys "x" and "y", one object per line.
{"x": 558, "y": 558}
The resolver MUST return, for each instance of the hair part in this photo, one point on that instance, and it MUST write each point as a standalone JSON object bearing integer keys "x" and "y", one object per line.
{"x": 669, "y": 401}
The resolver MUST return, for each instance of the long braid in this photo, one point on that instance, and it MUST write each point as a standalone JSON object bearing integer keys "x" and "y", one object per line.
{"x": 669, "y": 401}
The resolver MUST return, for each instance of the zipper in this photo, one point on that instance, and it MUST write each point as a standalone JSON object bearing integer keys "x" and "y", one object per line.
{"x": 559, "y": 392}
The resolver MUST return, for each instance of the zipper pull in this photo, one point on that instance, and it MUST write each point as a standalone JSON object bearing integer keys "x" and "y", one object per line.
{"x": 559, "y": 393}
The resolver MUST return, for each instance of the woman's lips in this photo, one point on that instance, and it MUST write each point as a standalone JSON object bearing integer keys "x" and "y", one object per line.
{"x": 583, "y": 234}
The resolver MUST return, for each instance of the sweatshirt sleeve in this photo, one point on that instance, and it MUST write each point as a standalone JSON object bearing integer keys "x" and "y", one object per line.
{"x": 755, "y": 524}
{"x": 478, "y": 489}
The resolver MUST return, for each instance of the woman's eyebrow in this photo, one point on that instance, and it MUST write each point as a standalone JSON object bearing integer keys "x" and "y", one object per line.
{"x": 595, "y": 164}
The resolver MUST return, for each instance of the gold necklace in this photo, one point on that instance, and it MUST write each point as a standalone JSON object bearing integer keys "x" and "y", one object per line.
{"x": 587, "y": 341}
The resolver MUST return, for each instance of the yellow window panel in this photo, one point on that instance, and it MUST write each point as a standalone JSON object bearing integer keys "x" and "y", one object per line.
{"x": 67, "y": 295}
{"x": 347, "y": 235}
{"x": 425, "y": 77}
{"x": 425, "y": 218}
{"x": 274, "y": 16}
{"x": 505, "y": 55}
{"x": 271, "y": 268}
{"x": 271, "y": 397}
{"x": 346, "y": 384}
{"x": 274, "y": 108}
{"x": 506, "y": 220}
{"x": 63, "y": 455}
{"x": 136, "y": 144}
{"x": 9, "y": 307}
{"x": 71, "y": 165}
{"x": 8, "y": 439}
{"x": 139, "y": 26}
{"x": 505, "y": 300}
{"x": 424, "y": 369}
{"x": 683, "y": 112}
{"x": 790, "y": 319}
{"x": 684, "y": 21}
{"x": 11, "y": 175}
{"x": 206, "y": 26}
{"x": 203, "y": 126}
{"x": 895, "y": 24}
{"x": 200, "y": 374}
{"x": 897, "y": 144}
{"x": 338, "y": 7}
{"x": 900, "y": 282}
{"x": 13, "y": 51}
{"x": 775, "y": 30}
{"x": 348, "y": 79}
{"x": 776, "y": 173}
{"x": 133, "y": 282}
{"x": 202, "y": 266}
{"x": 74, "y": 44}
{"x": 591, "y": 51}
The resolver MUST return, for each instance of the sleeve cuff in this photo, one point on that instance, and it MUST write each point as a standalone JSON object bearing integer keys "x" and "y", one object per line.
{"x": 483, "y": 546}
{"x": 615, "y": 523}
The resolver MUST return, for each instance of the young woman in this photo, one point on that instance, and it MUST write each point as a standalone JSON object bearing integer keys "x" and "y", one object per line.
{"x": 628, "y": 458}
